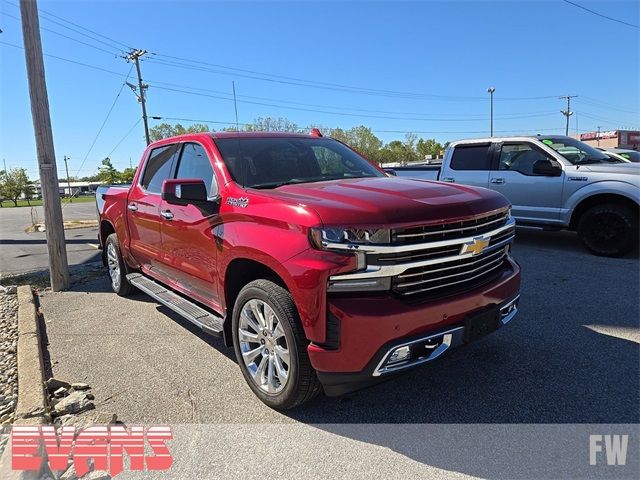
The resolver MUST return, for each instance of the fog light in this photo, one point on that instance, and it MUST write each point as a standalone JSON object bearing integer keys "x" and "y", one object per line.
{"x": 399, "y": 354}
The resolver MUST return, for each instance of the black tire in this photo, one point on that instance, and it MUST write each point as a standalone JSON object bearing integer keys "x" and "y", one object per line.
{"x": 119, "y": 282}
{"x": 609, "y": 230}
{"x": 302, "y": 383}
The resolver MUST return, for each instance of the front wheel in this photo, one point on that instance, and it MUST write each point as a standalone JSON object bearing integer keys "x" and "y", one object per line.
{"x": 116, "y": 266}
{"x": 609, "y": 230}
{"x": 271, "y": 347}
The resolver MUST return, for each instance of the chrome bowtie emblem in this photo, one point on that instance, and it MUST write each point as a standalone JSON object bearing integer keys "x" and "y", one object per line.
{"x": 475, "y": 246}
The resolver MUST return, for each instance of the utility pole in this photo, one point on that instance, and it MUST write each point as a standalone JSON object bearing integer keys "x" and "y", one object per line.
{"x": 66, "y": 167}
{"x": 490, "y": 90}
{"x": 598, "y": 137}
{"x": 134, "y": 56}
{"x": 58, "y": 267}
{"x": 567, "y": 113}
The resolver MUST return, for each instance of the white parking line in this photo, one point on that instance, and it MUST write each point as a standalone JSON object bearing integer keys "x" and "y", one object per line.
{"x": 94, "y": 245}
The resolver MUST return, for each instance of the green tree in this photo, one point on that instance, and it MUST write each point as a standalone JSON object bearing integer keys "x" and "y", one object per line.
{"x": 403, "y": 152}
{"x": 165, "y": 130}
{"x": 362, "y": 139}
{"x": 428, "y": 147}
{"x": 107, "y": 173}
{"x": 270, "y": 124}
{"x": 127, "y": 175}
{"x": 13, "y": 184}
{"x": 29, "y": 191}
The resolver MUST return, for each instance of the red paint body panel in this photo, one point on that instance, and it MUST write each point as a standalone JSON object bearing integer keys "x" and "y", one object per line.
{"x": 367, "y": 323}
{"x": 194, "y": 252}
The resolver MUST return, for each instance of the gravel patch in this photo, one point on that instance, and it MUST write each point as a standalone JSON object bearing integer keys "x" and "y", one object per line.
{"x": 8, "y": 359}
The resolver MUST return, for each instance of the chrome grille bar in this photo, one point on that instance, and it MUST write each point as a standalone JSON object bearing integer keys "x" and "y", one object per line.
{"x": 422, "y": 290}
{"x": 445, "y": 230}
{"x": 493, "y": 255}
{"x": 484, "y": 266}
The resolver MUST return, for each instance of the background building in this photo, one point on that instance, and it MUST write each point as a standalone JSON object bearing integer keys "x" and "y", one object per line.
{"x": 613, "y": 139}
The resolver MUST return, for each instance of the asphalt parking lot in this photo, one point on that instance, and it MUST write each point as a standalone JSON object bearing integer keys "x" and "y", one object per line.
{"x": 571, "y": 356}
{"x": 22, "y": 252}
{"x": 570, "y": 359}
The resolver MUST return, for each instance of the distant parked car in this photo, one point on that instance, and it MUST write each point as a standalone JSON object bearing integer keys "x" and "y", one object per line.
{"x": 630, "y": 155}
{"x": 614, "y": 157}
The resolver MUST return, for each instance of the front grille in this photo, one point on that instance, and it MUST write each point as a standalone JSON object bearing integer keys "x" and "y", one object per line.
{"x": 447, "y": 231}
{"x": 444, "y": 278}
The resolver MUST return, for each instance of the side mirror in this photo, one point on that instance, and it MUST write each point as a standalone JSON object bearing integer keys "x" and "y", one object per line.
{"x": 546, "y": 168}
{"x": 191, "y": 191}
{"x": 391, "y": 172}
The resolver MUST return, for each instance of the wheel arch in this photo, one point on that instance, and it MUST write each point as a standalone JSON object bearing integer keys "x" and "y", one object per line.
{"x": 106, "y": 229}
{"x": 600, "y": 198}
{"x": 238, "y": 273}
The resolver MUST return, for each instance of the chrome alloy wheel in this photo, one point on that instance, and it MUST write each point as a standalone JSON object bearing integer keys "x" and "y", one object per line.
{"x": 264, "y": 346}
{"x": 114, "y": 266}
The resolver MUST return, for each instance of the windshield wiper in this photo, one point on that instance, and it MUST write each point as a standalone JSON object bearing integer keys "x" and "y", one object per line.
{"x": 268, "y": 185}
{"x": 590, "y": 160}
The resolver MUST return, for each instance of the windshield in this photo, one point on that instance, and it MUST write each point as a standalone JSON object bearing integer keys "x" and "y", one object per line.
{"x": 270, "y": 162}
{"x": 575, "y": 151}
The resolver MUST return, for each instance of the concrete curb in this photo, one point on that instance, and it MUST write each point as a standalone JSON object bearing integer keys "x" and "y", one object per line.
{"x": 32, "y": 407}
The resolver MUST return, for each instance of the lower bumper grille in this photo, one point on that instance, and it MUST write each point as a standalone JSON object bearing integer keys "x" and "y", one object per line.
{"x": 444, "y": 277}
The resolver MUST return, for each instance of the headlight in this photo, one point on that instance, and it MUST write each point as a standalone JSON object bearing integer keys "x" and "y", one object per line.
{"x": 322, "y": 238}
{"x": 347, "y": 240}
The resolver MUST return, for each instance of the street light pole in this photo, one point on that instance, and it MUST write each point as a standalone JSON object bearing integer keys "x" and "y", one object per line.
{"x": 66, "y": 167}
{"x": 490, "y": 90}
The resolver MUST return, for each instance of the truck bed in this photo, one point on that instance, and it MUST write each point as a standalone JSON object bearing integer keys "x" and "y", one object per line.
{"x": 422, "y": 172}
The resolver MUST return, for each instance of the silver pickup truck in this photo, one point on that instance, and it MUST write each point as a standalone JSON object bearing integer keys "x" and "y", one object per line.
{"x": 554, "y": 182}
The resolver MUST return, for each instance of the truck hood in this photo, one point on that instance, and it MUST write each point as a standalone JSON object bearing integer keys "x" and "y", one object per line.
{"x": 389, "y": 200}
{"x": 614, "y": 169}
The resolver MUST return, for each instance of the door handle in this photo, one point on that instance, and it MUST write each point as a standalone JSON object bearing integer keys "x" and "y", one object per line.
{"x": 133, "y": 207}
{"x": 499, "y": 181}
{"x": 167, "y": 215}
{"x": 449, "y": 179}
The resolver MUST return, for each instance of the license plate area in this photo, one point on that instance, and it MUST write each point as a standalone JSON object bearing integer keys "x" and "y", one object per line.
{"x": 480, "y": 324}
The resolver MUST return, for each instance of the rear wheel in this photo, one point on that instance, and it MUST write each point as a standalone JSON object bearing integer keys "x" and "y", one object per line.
{"x": 609, "y": 230}
{"x": 271, "y": 347}
{"x": 116, "y": 266}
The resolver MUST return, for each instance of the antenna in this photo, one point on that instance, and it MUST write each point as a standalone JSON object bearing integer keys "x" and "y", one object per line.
{"x": 240, "y": 157}
{"x": 235, "y": 105}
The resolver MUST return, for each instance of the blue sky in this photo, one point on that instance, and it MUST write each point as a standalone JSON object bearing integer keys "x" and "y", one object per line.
{"x": 436, "y": 58}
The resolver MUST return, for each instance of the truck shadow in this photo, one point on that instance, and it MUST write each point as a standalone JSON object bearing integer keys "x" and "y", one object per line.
{"x": 567, "y": 358}
{"x": 559, "y": 241}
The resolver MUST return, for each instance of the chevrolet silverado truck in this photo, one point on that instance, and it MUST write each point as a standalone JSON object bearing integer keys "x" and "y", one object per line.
{"x": 321, "y": 271}
{"x": 554, "y": 182}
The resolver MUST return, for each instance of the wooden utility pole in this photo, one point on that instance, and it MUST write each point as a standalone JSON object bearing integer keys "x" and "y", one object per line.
{"x": 58, "y": 267}
{"x": 567, "y": 113}
{"x": 134, "y": 56}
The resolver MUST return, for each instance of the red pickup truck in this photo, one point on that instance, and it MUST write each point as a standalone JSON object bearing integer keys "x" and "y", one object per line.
{"x": 321, "y": 270}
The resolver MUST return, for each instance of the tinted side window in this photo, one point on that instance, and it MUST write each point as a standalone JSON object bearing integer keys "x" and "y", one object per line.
{"x": 158, "y": 168}
{"x": 474, "y": 157}
{"x": 194, "y": 163}
{"x": 520, "y": 158}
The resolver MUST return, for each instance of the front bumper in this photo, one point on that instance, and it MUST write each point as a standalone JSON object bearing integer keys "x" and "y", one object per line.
{"x": 371, "y": 328}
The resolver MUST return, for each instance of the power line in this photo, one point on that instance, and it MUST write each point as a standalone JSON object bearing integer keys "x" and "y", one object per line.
{"x": 66, "y": 36}
{"x": 75, "y": 62}
{"x": 232, "y": 122}
{"x": 329, "y": 112}
{"x": 124, "y": 137}
{"x": 601, "y": 15}
{"x": 105, "y": 121}
{"x": 600, "y": 104}
{"x": 350, "y": 109}
{"x": 46, "y": 13}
